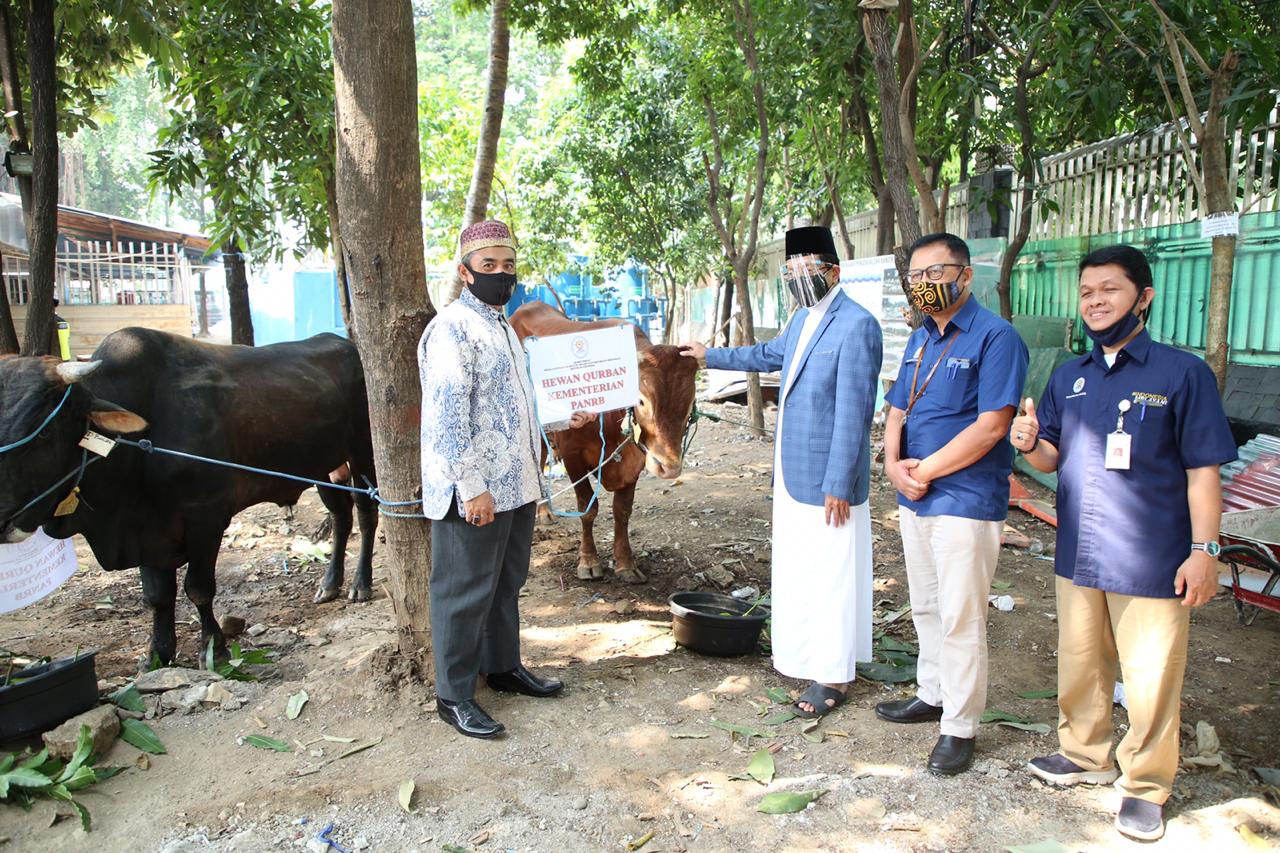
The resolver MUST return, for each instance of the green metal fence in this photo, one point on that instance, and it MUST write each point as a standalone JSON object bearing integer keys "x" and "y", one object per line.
{"x": 1044, "y": 283}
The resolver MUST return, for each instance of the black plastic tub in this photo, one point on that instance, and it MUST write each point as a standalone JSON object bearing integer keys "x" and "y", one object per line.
{"x": 40, "y": 697}
{"x": 716, "y": 624}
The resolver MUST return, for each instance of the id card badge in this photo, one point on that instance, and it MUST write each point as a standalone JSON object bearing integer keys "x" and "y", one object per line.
{"x": 1118, "y": 445}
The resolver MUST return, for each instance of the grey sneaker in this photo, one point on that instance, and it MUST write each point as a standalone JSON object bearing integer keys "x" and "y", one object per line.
{"x": 1140, "y": 819}
{"x": 1057, "y": 769}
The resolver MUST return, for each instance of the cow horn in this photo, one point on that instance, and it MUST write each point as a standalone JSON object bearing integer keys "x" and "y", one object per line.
{"x": 71, "y": 372}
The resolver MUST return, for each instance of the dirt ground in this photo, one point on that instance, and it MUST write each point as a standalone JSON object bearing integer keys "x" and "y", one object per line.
{"x": 629, "y": 748}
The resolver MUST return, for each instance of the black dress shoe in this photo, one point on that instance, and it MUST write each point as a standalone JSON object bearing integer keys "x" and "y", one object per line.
{"x": 521, "y": 680}
{"x": 951, "y": 755}
{"x": 911, "y": 710}
{"x": 468, "y": 718}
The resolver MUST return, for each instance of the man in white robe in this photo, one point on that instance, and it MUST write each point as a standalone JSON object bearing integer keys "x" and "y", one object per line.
{"x": 829, "y": 355}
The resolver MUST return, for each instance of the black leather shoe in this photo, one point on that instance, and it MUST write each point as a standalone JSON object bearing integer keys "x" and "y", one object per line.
{"x": 951, "y": 755}
{"x": 468, "y": 718}
{"x": 521, "y": 680}
{"x": 911, "y": 710}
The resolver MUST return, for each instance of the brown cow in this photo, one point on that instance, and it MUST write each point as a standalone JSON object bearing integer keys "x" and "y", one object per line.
{"x": 666, "y": 402}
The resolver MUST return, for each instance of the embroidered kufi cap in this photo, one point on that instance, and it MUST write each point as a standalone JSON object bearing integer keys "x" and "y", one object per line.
{"x": 483, "y": 235}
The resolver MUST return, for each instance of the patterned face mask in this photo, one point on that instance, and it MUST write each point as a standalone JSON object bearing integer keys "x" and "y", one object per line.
{"x": 934, "y": 296}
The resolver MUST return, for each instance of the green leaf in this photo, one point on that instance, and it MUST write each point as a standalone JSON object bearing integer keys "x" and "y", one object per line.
{"x": 1050, "y": 693}
{"x": 139, "y": 734}
{"x": 104, "y": 773}
{"x": 779, "y": 718}
{"x": 787, "y": 802}
{"x": 84, "y": 745}
{"x": 60, "y": 792}
{"x": 6, "y": 761}
{"x": 995, "y": 715}
{"x": 82, "y": 778}
{"x": 893, "y": 644}
{"x": 777, "y": 694}
{"x": 886, "y": 673}
{"x": 129, "y": 698}
{"x": 734, "y": 728}
{"x": 25, "y": 777}
{"x": 761, "y": 767}
{"x": 264, "y": 742}
{"x": 405, "y": 796}
{"x": 1000, "y": 585}
{"x": 36, "y": 760}
{"x": 296, "y": 703}
{"x": 1038, "y": 728}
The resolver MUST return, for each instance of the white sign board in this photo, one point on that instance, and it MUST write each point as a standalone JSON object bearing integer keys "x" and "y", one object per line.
{"x": 593, "y": 371}
{"x": 1220, "y": 225}
{"x": 32, "y": 569}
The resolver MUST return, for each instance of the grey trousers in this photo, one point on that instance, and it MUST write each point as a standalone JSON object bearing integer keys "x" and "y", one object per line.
{"x": 476, "y": 576}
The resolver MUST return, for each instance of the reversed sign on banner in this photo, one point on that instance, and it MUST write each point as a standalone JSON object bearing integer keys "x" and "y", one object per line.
{"x": 32, "y": 569}
{"x": 593, "y": 371}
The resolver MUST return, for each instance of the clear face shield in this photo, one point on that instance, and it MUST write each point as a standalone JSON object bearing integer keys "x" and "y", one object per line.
{"x": 808, "y": 279}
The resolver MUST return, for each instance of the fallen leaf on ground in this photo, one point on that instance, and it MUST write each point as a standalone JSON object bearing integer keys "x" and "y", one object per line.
{"x": 761, "y": 767}
{"x": 787, "y": 802}
{"x": 296, "y": 703}
{"x": 264, "y": 742}
{"x": 406, "y": 795}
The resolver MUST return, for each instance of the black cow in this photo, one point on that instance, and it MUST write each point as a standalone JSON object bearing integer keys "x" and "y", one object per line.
{"x": 294, "y": 407}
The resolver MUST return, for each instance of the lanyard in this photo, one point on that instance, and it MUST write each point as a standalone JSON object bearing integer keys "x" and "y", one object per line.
{"x": 916, "y": 395}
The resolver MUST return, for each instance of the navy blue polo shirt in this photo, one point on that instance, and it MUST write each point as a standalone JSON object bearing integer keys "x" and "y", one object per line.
{"x": 1128, "y": 531}
{"x": 984, "y": 363}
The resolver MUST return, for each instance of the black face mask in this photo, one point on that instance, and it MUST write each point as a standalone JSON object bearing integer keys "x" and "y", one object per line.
{"x": 492, "y": 288}
{"x": 1120, "y": 329}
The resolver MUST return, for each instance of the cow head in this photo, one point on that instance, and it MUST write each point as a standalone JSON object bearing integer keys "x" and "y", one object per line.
{"x": 30, "y": 391}
{"x": 666, "y": 401}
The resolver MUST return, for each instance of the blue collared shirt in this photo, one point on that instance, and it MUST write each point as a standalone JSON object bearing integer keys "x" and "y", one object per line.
{"x": 982, "y": 371}
{"x": 1128, "y": 531}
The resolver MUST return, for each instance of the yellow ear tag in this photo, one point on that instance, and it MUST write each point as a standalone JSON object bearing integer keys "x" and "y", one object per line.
{"x": 69, "y": 504}
{"x": 636, "y": 432}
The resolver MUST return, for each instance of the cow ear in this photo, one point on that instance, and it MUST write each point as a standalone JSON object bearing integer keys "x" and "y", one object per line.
{"x": 106, "y": 416}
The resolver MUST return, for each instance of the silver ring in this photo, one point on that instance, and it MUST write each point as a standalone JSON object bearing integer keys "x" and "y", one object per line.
{"x": 1019, "y": 436}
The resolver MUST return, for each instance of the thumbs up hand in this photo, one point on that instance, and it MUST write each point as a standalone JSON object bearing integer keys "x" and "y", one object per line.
{"x": 1024, "y": 431}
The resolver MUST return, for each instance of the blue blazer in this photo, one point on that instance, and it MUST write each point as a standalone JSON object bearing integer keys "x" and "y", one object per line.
{"x": 826, "y": 435}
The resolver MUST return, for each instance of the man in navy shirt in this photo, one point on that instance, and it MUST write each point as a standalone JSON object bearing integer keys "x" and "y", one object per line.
{"x": 1136, "y": 432}
{"x": 946, "y": 452}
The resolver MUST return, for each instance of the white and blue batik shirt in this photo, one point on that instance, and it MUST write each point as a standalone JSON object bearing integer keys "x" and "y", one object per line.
{"x": 479, "y": 433}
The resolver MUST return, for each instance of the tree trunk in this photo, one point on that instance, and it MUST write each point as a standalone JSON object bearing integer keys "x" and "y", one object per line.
{"x": 42, "y": 230}
{"x": 380, "y": 206}
{"x": 879, "y": 36}
{"x": 885, "y": 233}
{"x": 1027, "y": 178}
{"x": 8, "y": 334}
{"x": 237, "y": 293}
{"x": 1220, "y": 199}
{"x": 490, "y": 126}
{"x": 875, "y": 23}
{"x": 202, "y": 307}
{"x": 745, "y": 337}
{"x": 339, "y": 259}
{"x": 726, "y": 310}
{"x": 14, "y": 122}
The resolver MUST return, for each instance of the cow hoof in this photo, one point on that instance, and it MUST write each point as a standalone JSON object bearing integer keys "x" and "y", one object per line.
{"x": 631, "y": 576}
{"x": 597, "y": 571}
{"x": 360, "y": 593}
{"x": 586, "y": 573}
{"x": 326, "y": 593}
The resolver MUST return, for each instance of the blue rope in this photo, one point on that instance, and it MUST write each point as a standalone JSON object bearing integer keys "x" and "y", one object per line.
{"x": 20, "y": 442}
{"x": 371, "y": 492}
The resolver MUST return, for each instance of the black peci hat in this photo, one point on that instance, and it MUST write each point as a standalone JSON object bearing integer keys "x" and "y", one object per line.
{"x": 810, "y": 240}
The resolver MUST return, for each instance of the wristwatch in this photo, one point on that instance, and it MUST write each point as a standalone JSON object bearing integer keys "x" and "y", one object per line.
{"x": 1213, "y": 549}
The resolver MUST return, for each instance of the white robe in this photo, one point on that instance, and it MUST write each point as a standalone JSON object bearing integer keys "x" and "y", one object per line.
{"x": 821, "y": 596}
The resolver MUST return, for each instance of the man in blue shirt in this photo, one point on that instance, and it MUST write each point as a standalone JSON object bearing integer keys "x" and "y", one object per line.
{"x": 1136, "y": 432}
{"x": 947, "y": 454}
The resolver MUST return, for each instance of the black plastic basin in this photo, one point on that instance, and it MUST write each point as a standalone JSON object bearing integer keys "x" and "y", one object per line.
{"x": 40, "y": 697}
{"x": 714, "y": 624}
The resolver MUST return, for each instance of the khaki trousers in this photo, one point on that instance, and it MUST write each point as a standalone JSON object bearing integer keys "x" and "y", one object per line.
{"x": 1147, "y": 637}
{"x": 950, "y": 564}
